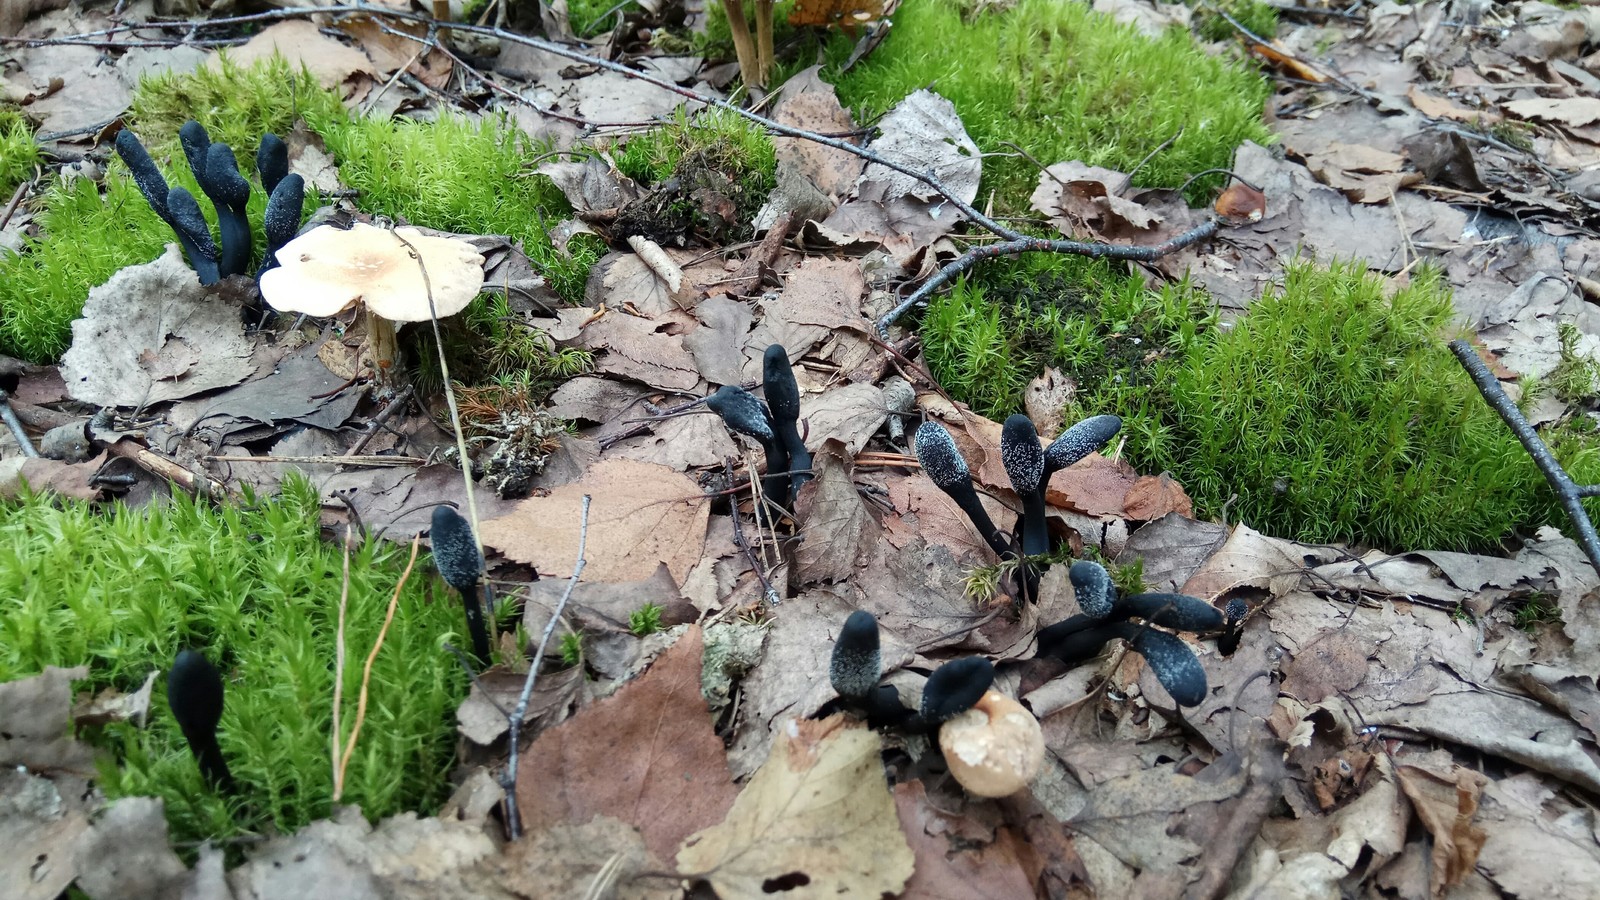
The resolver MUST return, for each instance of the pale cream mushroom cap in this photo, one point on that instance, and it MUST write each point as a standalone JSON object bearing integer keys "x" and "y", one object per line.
{"x": 327, "y": 270}
{"x": 995, "y": 748}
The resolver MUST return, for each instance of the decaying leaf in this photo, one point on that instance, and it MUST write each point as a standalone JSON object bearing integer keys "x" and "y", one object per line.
{"x": 124, "y": 855}
{"x": 642, "y": 515}
{"x": 1445, "y": 797}
{"x": 817, "y": 820}
{"x": 646, "y": 755}
{"x": 1076, "y": 196}
{"x": 1154, "y": 496}
{"x": 37, "y": 713}
{"x": 39, "y": 827}
{"x": 959, "y": 858}
{"x": 153, "y": 333}
{"x": 112, "y": 705}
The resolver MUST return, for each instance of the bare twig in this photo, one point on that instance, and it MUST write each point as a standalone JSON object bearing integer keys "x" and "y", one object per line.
{"x": 366, "y": 674}
{"x": 509, "y": 781}
{"x": 338, "y": 671}
{"x": 377, "y": 423}
{"x": 1568, "y": 491}
{"x": 16, "y": 426}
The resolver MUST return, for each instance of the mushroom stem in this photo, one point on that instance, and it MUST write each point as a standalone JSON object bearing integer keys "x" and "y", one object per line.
{"x": 764, "y": 47}
{"x": 743, "y": 47}
{"x": 194, "y": 693}
{"x": 742, "y": 412}
{"x": 384, "y": 348}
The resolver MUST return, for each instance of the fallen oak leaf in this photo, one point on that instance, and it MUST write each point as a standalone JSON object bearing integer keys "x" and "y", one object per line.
{"x": 816, "y": 820}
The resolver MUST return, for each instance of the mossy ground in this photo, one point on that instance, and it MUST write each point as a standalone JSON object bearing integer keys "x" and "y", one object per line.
{"x": 1063, "y": 83}
{"x": 256, "y": 588}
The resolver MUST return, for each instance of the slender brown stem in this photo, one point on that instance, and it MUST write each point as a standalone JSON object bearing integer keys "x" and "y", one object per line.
{"x": 743, "y": 46}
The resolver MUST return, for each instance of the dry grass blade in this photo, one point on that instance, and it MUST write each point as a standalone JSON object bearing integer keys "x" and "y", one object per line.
{"x": 366, "y": 674}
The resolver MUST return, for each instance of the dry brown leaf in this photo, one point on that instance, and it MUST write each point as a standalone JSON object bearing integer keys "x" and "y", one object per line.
{"x": 1446, "y": 801}
{"x": 481, "y": 718}
{"x": 646, "y": 755}
{"x": 1362, "y": 173}
{"x": 134, "y": 321}
{"x": 124, "y": 855}
{"x": 1575, "y": 112}
{"x": 959, "y": 857}
{"x": 1129, "y": 816}
{"x": 1074, "y": 196}
{"x": 39, "y": 827}
{"x": 1445, "y": 108}
{"x": 1172, "y": 548}
{"x": 1154, "y": 496}
{"x": 569, "y": 860}
{"x": 632, "y": 347}
{"x": 642, "y": 515}
{"x": 390, "y": 49}
{"x": 1249, "y": 558}
{"x": 817, "y": 819}
{"x": 1334, "y": 663}
{"x": 1241, "y": 202}
{"x": 67, "y": 479}
{"x": 1046, "y": 397}
{"x": 112, "y": 705}
{"x": 850, "y": 414}
{"x": 832, "y": 519}
{"x": 810, "y": 103}
{"x": 846, "y": 14}
{"x": 1288, "y": 63}
{"x": 1539, "y": 844}
{"x": 302, "y": 43}
{"x": 1095, "y": 486}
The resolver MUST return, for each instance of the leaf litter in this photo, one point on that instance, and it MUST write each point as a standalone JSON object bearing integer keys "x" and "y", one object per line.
{"x": 1385, "y": 723}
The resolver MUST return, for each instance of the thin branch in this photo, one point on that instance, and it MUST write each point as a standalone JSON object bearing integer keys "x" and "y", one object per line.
{"x": 16, "y": 426}
{"x": 366, "y": 674}
{"x": 338, "y": 670}
{"x": 975, "y": 255}
{"x": 509, "y": 782}
{"x": 1568, "y": 491}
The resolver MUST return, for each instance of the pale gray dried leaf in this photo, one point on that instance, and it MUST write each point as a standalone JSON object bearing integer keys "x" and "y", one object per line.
{"x": 633, "y": 347}
{"x": 1522, "y": 328}
{"x": 1073, "y": 194}
{"x": 681, "y": 442}
{"x": 39, "y": 829}
{"x": 599, "y": 400}
{"x": 403, "y": 858}
{"x": 37, "y": 713}
{"x": 810, "y": 103}
{"x": 849, "y": 414}
{"x": 924, "y": 133}
{"x": 112, "y": 705}
{"x": 1129, "y": 815}
{"x": 718, "y": 343}
{"x": 1172, "y": 548}
{"x": 120, "y": 348}
{"x": 591, "y": 184}
{"x": 125, "y": 856}
{"x": 1539, "y": 844}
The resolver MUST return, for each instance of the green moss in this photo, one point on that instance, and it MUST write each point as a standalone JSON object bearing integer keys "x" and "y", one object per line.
{"x": 19, "y": 155}
{"x": 236, "y": 104}
{"x": 994, "y": 332}
{"x": 1261, "y": 19}
{"x": 1064, "y": 83}
{"x": 1336, "y": 413}
{"x": 454, "y": 174}
{"x": 715, "y": 150}
{"x": 257, "y": 590}
{"x": 645, "y": 620}
{"x": 489, "y": 345}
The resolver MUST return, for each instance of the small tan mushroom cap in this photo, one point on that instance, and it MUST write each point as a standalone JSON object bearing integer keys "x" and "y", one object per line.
{"x": 995, "y": 748}
{"x": 327, "y": 270}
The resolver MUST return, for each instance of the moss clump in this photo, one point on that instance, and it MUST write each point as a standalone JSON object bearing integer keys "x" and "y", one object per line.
{"x": 88, "y": 231}
{"x": 712, "y": 155}
{"x": 1336, "y": 413}
{"x": 1062, "y": 82}
{"x": 254, "y": 586}
{"x": 1260, "y": 19}
{"x": 489, "y": 347}
{"x": 19, "y": 155}
{"x": 454, "y": 174}
{"x": 236, "y": 104}
{"x": 1116, "y": 339}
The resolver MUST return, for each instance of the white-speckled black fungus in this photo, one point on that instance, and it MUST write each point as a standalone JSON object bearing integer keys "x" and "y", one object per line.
{"x": 856, "y": 662}
{"x": 1091, "y": 584}
{"x": 1079, "y": 441}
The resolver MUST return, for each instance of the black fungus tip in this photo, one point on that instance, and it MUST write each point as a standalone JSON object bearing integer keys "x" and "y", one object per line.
{"x": 222, "y": 171}
{"x": 741, "y": 411}
{"x": 856, "y": 661}
{"x": 195, "y": 142}
{"x": 272, "y": 161}
{"x": 1021, "y": 454}
{"x": 194, "y": 692}
{"x": 783, "y": 392}
{"x": 955, "y": 687}
{"x": 1236, "y": 610}
{"x": 1091, "y": 584}
{"x": 1080, "y": 440}
{"x": 1174, "y": 665}
{"x": 455, "y": 553}
{"x": 940, "y": 459}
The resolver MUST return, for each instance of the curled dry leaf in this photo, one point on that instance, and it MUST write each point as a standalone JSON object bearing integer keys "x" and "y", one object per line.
{"x": 817, "y": 818}
{"x": 1241, "y": 203}
{"x": 643, "y": 515}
